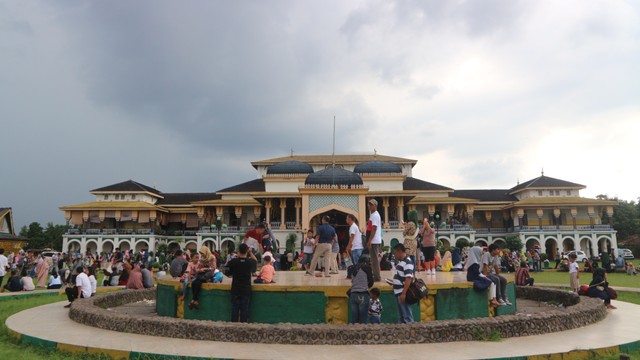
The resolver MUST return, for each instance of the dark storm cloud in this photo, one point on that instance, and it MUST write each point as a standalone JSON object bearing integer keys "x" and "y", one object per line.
{"x": 217, "y": 74}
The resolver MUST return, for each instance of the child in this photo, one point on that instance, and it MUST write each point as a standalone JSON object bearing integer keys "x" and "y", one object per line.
{"x": 522, "y": 275}
{"x": 630, "y": 269}
{"x": 574, "y": 273}
{"x": 375, "y": 306}
{"x": 266, "y": 273}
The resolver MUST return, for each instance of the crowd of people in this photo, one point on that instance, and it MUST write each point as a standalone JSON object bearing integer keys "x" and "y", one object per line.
{"x": 320, "y": 256}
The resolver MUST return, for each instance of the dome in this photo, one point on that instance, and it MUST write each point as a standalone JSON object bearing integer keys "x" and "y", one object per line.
{"x": 333, "y": 176}
{"x": 290, "y": 167}
{"x": 377, "y": 167}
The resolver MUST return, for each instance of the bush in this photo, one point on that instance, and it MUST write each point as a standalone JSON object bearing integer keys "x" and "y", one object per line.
{"x": 514, "y": 243}
{"x": 462, "y": 243}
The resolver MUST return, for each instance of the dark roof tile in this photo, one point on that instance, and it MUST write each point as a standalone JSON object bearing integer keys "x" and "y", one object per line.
{"x": 485, "y": 194}
{"x": 129, "y": 185}
{"x": 186, "y": 198}
{"x": 545, "y": 182}
{"x": 411, "y": 183}
{"x": 256, "y": 185}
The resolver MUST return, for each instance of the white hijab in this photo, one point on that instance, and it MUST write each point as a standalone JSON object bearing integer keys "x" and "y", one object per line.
{"x": 475, "y": 257}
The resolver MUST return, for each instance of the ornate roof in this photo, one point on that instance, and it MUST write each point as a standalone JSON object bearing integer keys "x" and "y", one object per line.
{"x": 128, "y": 186}
{"x": 186, "y": 198}
{"x": 377, "y": 167}
{"x": 339, "y": 159}
{"x": 489, "y": 195}
{"x": 545, "y": 182}
{"x": 333, "y": 176}
{"x": 256, "y": 185}
{"x": 411, "y": 183}
{"x": 290, "y": 167}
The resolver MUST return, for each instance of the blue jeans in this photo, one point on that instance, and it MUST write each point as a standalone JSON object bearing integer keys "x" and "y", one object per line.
{"x": 240, "y": 308}
{"x": 404, "y": 311}
{"x": 359, "y": 307}
{"x": 373, "y": 319}
{"x": 355, "y": 255}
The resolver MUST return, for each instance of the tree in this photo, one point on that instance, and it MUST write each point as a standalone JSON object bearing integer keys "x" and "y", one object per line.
{"x": 53, "y": 235}
{"x": 626, "y": 219}
{"x": 35, "y": 234}
{"x": 462, "y": 243}
{"x": 514, "y": 243}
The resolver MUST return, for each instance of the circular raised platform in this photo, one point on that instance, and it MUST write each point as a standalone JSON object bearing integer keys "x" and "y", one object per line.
{"x": 61, "y": 333}
{"x": 300, "y": 299}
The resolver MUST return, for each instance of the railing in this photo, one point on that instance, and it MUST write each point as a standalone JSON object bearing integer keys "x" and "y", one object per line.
{"x": 290, "y": 225}
{"x": 275, "y": 224}
{"x": 393, "y": 224}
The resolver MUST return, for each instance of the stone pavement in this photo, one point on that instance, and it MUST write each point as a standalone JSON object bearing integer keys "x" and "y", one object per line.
{"x": 617, "y": 333}
{"x": 563, "y": 286}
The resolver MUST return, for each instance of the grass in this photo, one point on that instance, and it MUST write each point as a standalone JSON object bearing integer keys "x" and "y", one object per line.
{"x": 11, "y": 349}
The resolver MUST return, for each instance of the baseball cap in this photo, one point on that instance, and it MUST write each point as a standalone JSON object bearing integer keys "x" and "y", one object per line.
{"x": 373, "y": 202}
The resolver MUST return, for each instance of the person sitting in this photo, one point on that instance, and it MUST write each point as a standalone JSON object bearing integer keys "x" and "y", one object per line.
{"x": 55, "y": 281}
{"x": 204, "y": 273}
{"x": 82, "y": 288}
{"x": 630, "y": 269}
{"x": 447, "y": 264}
{"x": 134, "y": 281}
{"x": 522, "y": 275}
{"x": 598, "y": 287}
{"x": 178, "y": 265}
{"x": 27, "y": 281}
{"x": 474, "y": 274}
{"x": 266, "y": 273}
{"x": 147, "y": 276}
{"x": 93, "y": 280}
{"x": 13, "y": 284}
{"x": 587, "y": 266}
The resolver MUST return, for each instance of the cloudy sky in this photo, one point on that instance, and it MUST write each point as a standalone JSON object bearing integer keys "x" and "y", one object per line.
{"x": 183, "y": 95}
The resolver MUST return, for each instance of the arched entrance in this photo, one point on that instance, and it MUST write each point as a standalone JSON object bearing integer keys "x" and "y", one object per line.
{"x": 568, "y": 245}
{"x": 73, "y": 246}
{"x": 92, "y": 247}
{"x": 532, "y": 243}
{"x": 210, "y": 244}
{"x": 337, "y": 219}
{"x": 585, "y": 245}
{"x": 604, "y": 244}
{"x": 551, "y": 248}
{"x": 107, "y": 247}
{"x": 481, "y": 243}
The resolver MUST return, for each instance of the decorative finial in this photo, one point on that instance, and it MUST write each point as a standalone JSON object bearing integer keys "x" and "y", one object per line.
{"x": 518, "y": 180}
{"x": 375, "y": 153}
{"x": 291, "y": 152}
{"x": 542, "y": 171}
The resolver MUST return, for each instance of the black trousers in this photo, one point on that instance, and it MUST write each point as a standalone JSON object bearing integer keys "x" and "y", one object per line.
{"x": 72, "y": 293}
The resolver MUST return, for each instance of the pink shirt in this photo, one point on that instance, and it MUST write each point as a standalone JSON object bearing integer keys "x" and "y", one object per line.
{"x": 267, "y": 272}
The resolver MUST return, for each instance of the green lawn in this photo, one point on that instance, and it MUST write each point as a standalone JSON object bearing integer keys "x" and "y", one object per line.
{"x": 10, "y": 349}
{"x": 615, "y": 279}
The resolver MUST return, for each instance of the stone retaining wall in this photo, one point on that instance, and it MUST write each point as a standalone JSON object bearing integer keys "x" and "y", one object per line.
{"x": 96, "y": 312}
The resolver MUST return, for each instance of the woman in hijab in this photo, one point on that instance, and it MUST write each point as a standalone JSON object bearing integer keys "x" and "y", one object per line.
{"x": 42, "y": 271}
{"x": 447, "y": 264}
{"x": 410, "y": 243}
{"x": 456, "y": 259}
{"x": 473, "y": 265}
{"x": 204, "y": 273}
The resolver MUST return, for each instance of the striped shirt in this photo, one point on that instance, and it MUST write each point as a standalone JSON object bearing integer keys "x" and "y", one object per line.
{"x": 404, "y": 269}
{"x": 522, "y": 275}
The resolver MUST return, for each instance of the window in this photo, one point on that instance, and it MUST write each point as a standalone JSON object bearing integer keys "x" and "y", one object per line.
{"x": 539, "y": 192}
{"x": 558, "y": 192}
{"x": 106, "y": 197}
{"x": 569, "y": 192}
{"x": 133, "y": 197}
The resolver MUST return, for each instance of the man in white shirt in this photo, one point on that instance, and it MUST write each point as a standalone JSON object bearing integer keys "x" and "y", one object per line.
{"x": 4, "y": 265}
{"x": 82, "y": 288}
{"x": 354, "y": 247}
{"x": 374, "y": 238}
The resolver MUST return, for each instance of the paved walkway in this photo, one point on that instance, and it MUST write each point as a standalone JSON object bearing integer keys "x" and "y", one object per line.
{"x": 618, "y": 332}
{"x": 562, "y": 286}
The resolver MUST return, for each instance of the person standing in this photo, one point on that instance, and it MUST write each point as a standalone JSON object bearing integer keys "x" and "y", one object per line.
{"x": 558, "y": 258}
{"x": 401, "y": 281}
{"x": 354, "y": 247}
{"x": 428, "y": 247}
{"x": 325, "y": 237}
{"x": 374, "y": 238}
{"x": 309, "y": 243}
{"x": 359, "y": 292}
{"x": 410, "y": 243}
{"x": 574, "y": 272}
{"x": 4, "y": 266}
{"x": 240, "y": 269}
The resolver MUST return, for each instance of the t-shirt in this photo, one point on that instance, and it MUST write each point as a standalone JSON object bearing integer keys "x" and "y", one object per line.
{"x": 573, "y": 267}
{"x": 357, "y": 237}
{"x": 267, "y": 272}
{"x": 177, "y": 266}
{"x": 55, "y": 280}
{"x": 147, "y": 279}
{"x": 253, "y": 243}
{"x": 3, "y": 265}
{"x": 266, "y": 241}
{"x": 254, "y": 234}
{"x": 429, "y": 238}
{"x": 27, "y": 283}
{"x": 83, "y": 280}
{"x": 240, "y": 270}
{"x": 374, "y": 220}
{"x": 522, "y": 274}
{"x": 404, "y": 269}
{"x": 375, "y": 307}
{"x": 326, "y": 233}
{"x": 308, "y": 245}
{"x": 94, "y": 284}
{"x": 491, "y": 261}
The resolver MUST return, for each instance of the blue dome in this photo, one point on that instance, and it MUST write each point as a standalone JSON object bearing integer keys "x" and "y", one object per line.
{"x": 290, "y": 167}
{"x": 377, "y": 167}
{"x": 333, "y": 176}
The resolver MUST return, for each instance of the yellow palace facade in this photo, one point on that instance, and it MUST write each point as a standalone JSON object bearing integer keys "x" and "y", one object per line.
{"x": 291, "y": 193}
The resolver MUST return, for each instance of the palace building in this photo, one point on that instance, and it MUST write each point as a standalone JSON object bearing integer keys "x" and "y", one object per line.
{"x": 291, "y": 193}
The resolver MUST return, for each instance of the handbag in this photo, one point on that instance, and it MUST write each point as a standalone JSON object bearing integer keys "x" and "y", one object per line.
{"x": 481, "y": 284}
{"x": 205, "y": 276}
{"x": 417, "y": 290}
{"x": 613, "y": 294}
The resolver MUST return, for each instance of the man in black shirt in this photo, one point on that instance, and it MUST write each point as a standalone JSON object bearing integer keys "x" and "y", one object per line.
{"x": 240, "y": 269}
